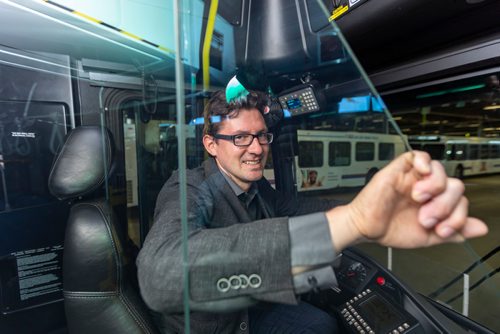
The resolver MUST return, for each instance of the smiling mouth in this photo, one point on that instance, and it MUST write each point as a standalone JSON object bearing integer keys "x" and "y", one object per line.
{"x": 252, "y": 162}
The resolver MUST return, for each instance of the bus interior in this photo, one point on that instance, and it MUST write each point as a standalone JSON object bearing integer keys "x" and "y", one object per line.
{"x": 349, "y": 82}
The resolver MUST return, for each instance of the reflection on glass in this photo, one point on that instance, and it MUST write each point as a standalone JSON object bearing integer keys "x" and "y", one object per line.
{"x": 30, "y": 134}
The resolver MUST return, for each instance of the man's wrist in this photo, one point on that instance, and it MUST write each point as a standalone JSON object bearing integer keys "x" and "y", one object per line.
{"x": 343, "y": 231}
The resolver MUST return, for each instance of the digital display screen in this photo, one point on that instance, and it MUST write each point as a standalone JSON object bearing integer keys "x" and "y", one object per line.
{"x": 294, "y": 103}
{"x": 360, "y": 104}
{"x": 299, "y": 100}
{"x": 380, "y": 315}
{"x": 354, "y": 104}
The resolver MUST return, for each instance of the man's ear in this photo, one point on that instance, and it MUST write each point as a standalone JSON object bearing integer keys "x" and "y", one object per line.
{"x": 210, "y": 145}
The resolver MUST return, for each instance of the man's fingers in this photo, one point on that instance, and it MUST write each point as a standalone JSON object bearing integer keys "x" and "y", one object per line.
{"x": 443, "y": 205}
{"x": 431, "y": 184}
{"x": 422, "y": 162}
{"x": 474, "y": 228}
{"x": 455, "y": 221}
{"x": 459, "y": 226}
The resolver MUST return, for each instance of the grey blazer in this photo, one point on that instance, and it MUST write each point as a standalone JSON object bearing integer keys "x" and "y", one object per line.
{"x": 222, "y": 243}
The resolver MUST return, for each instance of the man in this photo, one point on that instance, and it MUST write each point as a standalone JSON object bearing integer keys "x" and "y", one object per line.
{"x": 249, "y": 244}
{"x": 312, "y": 180}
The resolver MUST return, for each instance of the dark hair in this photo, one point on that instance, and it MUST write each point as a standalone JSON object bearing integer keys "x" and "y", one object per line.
{"x": 218, "y": 106}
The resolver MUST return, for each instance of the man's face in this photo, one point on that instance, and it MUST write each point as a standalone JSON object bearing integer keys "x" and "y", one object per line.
{"x": 243, "y": 164}
{"x": 312, "y": 177}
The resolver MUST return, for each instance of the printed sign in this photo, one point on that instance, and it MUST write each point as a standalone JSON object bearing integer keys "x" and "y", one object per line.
{"x": 31, "y": 277}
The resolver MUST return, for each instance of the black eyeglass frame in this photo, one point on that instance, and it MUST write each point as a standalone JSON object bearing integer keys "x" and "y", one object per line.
{"x": 268, "y": 137}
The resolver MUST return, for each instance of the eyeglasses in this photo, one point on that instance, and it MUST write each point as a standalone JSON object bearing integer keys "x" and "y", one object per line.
{"x": 263, "y": 138}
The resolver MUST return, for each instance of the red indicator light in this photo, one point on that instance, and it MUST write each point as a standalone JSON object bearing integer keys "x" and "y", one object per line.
{"x": 380, "y": 280}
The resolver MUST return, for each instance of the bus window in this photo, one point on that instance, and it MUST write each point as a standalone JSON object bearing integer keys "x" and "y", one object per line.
{"x": 339, "y": 154}
{"x": 494, "y": 151}
{"x": 435, "y": 151}
{"x": 416, "y": 146}
{"x": 385, "y": 151}
{"x": 484, "y": 152}
{"x": 365, "y": 151}
{"x": 450, "y": 152}
{"x": 473, "y": 152}
{"x": 269, "y": 162}
{"x": 457, "y": 152}
{"x": 310, "y": 154}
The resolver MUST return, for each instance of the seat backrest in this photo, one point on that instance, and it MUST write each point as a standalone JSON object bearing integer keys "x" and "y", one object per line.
{"x": 98, "y": 274}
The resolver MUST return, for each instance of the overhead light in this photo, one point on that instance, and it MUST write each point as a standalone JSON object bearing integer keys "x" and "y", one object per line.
{"x": 463, "y": 125}
{"x": 452, "y": 90}
{"x": 492, "y": 107}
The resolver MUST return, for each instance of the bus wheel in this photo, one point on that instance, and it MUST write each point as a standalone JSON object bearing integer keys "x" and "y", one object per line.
{"x": 459, "y": 172}
{"x": 370, "y": 175}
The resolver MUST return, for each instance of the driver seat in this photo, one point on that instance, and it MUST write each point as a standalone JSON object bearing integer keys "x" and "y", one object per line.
{"x": 100, "y": 295}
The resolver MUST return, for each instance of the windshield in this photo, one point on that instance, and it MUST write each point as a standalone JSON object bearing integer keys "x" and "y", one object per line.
{"x": 147, "y": 71}
{"x": 337, "y": 132}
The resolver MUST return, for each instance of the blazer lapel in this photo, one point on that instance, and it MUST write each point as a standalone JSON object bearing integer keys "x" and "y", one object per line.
{"x": 222, "y": 192}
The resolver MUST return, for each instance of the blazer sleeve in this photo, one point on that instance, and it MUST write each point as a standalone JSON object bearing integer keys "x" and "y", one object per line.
{"x": 229, "y": 267}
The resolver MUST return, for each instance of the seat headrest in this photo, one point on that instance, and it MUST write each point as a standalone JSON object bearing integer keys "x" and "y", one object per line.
{"x": 82, "y": 162}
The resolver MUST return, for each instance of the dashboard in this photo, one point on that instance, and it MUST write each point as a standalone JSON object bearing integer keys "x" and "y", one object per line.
{"x": 375, "y": 300}
{"x": 371, "y": 299}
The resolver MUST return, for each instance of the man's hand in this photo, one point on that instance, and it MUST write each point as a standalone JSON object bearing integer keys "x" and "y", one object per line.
{"x": 410, "y": 203}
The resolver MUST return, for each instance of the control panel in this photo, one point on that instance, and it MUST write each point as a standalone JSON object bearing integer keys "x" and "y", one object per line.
{"x": 369, "y": 312}
{"x": 299, "y": 101}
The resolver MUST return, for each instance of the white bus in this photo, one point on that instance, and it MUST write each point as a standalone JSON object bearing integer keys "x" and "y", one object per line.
{"x": 328, "y": 159}
{"x": 461, "y": 156}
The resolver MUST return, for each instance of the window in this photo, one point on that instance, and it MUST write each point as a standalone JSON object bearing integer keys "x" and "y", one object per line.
{"x": 385, "y": 151}
{"x": 365, "y": 151}
{"x": 436, "y": 151}
{"x": 473, "y": 152}
{"x": 495, "y": 151}
{"x": 310, "y": 154}
{"x": 458, "y": 152}
{"x": 339, "y": 154}
{"x": 484, "y": 152}
{"x": 269, "y": 162}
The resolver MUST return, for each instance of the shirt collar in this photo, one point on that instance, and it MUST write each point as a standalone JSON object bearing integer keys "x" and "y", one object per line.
{"x": 237, "y": 190}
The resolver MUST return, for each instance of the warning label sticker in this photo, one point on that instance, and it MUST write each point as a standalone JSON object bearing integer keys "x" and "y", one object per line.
{"x": 31, "y": 277}
{"x": 338, "y": 11}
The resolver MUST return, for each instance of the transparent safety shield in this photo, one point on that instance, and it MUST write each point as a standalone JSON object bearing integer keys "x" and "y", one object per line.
{"x": 332, "y": 133}
{"x": 79, "y": 85}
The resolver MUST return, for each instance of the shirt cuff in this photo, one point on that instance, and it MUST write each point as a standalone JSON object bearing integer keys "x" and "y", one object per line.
{"x": 317, "y": 279}
{"x": 311, "y": 246}
{"x": 310, "y": 240}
